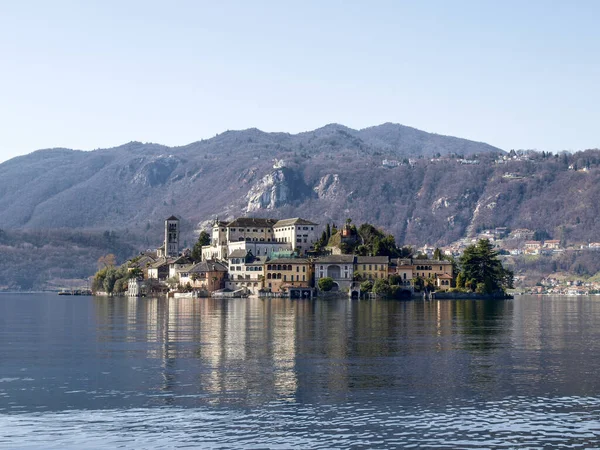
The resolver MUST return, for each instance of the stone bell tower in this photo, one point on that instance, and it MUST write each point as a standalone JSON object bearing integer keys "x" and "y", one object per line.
{"x": 172, "y": 237}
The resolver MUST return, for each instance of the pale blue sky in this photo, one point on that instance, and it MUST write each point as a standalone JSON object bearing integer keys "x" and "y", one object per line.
{"x": 94, "y": 74}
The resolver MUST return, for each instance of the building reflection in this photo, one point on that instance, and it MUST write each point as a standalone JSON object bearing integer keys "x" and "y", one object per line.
{"x": 251, "y": 350}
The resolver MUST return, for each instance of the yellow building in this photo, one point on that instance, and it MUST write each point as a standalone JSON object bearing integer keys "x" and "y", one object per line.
{"x": 283, "y": 273}
{"x": 371, "y": 268}
{"x": 438, "y": 270}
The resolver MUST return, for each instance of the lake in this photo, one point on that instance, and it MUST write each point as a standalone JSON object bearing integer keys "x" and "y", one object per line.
{"x": 97, "y": 372}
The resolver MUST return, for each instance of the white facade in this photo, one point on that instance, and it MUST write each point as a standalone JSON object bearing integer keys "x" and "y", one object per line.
{"x": 300, "y": 233}
{"x": 259, "y": 248}
{"x": 244, "y": 275}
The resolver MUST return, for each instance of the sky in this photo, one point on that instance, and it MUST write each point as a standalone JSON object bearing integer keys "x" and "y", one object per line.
{"x": 97, "y": 74}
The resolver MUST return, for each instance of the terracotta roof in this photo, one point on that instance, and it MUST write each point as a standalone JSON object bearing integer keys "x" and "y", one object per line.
{"x": 445, "y": 276}
{"x": 294, "y": 221}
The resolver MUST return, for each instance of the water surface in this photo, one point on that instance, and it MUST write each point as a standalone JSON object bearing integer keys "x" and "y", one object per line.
{"x": 96, "y": 372}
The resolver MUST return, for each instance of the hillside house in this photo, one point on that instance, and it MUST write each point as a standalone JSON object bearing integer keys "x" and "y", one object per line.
{"x": 533, "y": 247}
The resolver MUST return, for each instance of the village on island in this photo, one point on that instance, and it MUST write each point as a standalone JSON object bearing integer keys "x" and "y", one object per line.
{"x": 296, "y": 258}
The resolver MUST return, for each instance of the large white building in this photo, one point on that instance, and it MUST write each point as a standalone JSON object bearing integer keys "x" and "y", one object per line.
{"x": 262, "y": 237}
{"x": 302, "y": 234}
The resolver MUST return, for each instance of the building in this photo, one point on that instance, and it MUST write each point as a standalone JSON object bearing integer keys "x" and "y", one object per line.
{"x": 181, "y": 264}
{"x": 160, "y": 269}
{"x": 403, "y": 268}
{"x": 261, "y": 236}
{"x": 245, "y": 271}
{"x": 371, "y": 268}
{"x": 262, "y": 249}
{"x": 338, "y": 267}
{"x": 533, "y": 247}
{"x": 207, "y": 276}
{"x": 300, "y": 233}
{"x": 552, "y": 244}
{"x": 409, "y": 269}
{"x": 217, "y": 249}
{"x": 284, "y": 273}
{"x": 171, "y": 243}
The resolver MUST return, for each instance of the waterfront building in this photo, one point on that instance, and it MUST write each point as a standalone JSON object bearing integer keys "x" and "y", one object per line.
{"x": 245, "y": 271}
{"x": 371, "y": 268}
{"x": 338, "y": 267}
{"x": 408, "y": 269}
{"x": 283, "y": 274}
{"x": 207, "y": 275}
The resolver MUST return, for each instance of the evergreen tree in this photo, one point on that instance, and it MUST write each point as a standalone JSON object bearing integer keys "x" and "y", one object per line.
{"x": 481, "y": 269}
{"x": 203, "y": 239}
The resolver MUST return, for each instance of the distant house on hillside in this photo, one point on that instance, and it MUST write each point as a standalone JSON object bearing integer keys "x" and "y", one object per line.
{"x": 533, "y": 247}
{"x": 552, "y": 244}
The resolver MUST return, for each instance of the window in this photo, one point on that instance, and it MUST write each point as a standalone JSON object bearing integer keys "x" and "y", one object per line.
{"x": 303, "y": 268}
{"x": 303, "y": 277}
{"x": 232, "y": 229}
{"x": 297, "y": 268}
{"x": 370, "y": 268}
{"x": 255, "y": 230}
{"x": 311, "y": 228}
{"x": 305, "y": 228}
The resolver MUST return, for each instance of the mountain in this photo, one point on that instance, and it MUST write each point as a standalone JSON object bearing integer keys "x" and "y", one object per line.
{"x": 130, "y": 185}
{"x": 422, "y": 187}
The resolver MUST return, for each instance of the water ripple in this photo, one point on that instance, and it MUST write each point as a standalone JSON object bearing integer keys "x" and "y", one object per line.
{"x": 566, "y": 422}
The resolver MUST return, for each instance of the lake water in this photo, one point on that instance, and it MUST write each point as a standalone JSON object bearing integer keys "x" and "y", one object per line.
{"x": 95, "y": 372}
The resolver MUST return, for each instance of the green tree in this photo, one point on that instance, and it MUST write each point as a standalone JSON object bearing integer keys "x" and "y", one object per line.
{"x": 366, "y": 286}
{"x": 437, "y": 254}
{"x": 395, "y": 280}
{"x": 325, "y": 284}
{"x": 327, "y": 232}
{"x": 482, "y": 269}
{"x": 203, "y": 239}
{"x": 381, "y": 287}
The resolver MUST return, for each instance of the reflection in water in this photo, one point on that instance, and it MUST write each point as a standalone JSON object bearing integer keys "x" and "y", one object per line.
{"x": 338, "y": 368}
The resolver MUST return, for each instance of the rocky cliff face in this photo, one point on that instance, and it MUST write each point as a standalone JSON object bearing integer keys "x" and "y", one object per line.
{"x": 324, "y": 175}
